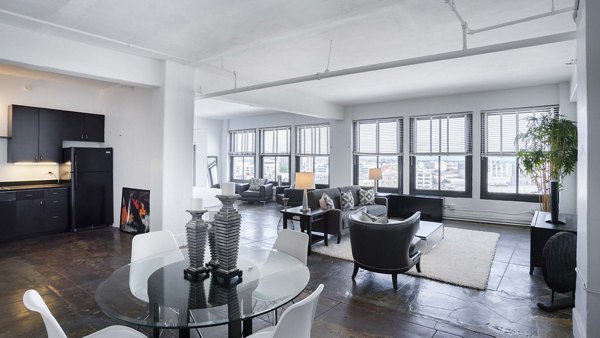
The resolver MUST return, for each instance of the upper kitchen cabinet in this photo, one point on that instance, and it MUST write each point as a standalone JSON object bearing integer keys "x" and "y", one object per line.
{"x": 83, "y": 127}
{"x": 34, "y": 134}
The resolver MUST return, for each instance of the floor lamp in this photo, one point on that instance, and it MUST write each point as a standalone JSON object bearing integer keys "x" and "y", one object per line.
{"x": 305, "y": 181}
{"x": 375, "y": 175}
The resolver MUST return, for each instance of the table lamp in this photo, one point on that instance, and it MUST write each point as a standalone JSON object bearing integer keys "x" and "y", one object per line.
{"x": 375, "y": 175}
{"x": 305, "y": 181}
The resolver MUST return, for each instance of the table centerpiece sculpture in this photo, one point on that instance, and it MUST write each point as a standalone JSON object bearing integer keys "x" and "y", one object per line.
{"x": 196, "y": 233}
{"x": 227, "y": 237}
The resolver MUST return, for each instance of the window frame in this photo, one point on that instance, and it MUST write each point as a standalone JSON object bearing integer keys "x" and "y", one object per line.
{"x": 243, "y": 153}
{"x": 277, "y": 153}
{"x": 517, "y": 197}
{"x": 315, "y": 148}
{"x": 468, "y": 155}
{"x": 399, "y": 154}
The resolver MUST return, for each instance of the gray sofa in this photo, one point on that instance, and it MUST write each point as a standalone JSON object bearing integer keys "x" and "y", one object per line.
{"x": 337, "y": 219}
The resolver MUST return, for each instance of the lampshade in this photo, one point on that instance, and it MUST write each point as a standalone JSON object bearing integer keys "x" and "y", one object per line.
{"x": 305, "y": 180}
{"x": 375, "y": 174}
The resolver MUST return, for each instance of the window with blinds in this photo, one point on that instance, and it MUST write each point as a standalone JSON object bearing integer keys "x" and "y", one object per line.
{"x": 441, "y": 149}
{"x": 312, "y": 140}
{"x": 378, "y": 144}
{"x": 501, "y": 177}
{"x": 312, "y": 151}
{"x": 243, "y": 142}
{"x": 242, "y": 152}
{"x": 275, "y": 154}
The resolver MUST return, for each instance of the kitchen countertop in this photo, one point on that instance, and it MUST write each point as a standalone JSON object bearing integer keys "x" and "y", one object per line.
{"x": 30, "y": 186}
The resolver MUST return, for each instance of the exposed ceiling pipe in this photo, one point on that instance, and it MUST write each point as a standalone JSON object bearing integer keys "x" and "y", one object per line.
{"x": 514, "y": 22}
{"x": 543, "y": 40}
{"x": 463, "y": 23}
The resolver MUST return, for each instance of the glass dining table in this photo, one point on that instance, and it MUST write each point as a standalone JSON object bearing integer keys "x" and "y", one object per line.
{"x": 165, "y": 300}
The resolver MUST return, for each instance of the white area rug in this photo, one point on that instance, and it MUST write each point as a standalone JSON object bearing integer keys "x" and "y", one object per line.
{"x": 463, "y": 257}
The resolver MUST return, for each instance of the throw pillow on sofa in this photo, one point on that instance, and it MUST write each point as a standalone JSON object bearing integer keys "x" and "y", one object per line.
{"x": 346, "y": 200}
{"x": 256, "y": 183}
{"x": 366, "y": 217}
{"x": 366, "y": 197}
{"x": 326, "y": 202}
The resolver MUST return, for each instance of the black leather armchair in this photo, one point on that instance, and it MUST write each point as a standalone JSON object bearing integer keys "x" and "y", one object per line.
{"x": 265, "y": 194}
{"x": 385, "y": 248}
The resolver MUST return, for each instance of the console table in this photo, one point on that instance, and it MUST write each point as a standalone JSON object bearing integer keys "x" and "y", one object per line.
{"x": 541, "y": 233}
{"x": 403, "y": 206}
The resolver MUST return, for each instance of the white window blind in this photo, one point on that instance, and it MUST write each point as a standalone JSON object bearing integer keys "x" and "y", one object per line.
{"x": 312, "y": 140}
{"x": 275, "y": 141}
{"x": 243, "y": 142}
{"x": 441, "y": 134}
{"x": 499, "y": 128}
{"x": 378, "y": 137}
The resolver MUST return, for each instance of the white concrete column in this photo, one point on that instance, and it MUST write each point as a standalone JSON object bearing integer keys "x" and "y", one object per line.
{"x": 587, "y": 300}
{"x": 176, "y": 99}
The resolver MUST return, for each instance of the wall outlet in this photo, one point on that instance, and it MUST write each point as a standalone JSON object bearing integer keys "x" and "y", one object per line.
{"x": 449, "y": 206}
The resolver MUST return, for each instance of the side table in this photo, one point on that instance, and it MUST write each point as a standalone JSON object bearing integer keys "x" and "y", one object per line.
{"x": 541, "y": 233}
{"x": 306, "y": 221}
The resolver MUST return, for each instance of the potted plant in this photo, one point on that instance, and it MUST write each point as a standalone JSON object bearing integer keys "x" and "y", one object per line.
{"x": 548, "y": 153}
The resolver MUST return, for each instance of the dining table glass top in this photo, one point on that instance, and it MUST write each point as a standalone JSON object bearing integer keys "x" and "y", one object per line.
{"x": 152, "y": 292}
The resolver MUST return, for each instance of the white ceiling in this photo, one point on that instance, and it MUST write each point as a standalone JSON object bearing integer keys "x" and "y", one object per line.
{"x": 267, "y": 40}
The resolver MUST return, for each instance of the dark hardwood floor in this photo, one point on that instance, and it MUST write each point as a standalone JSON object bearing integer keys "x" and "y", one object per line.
{"x": 67, "y": 268}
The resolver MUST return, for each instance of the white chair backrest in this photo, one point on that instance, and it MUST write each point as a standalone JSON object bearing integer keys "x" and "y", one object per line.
{"x": 297, "y": 320}
{"x": 152, "y": 244}
{"x": 34, "y": 302}
{"x": 294, "y": 243}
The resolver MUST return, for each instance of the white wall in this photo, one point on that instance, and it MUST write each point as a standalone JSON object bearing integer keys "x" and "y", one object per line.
{"x": 207, "y": 139}
{"x": 587, "y": 298}
{"x": 465, "y": 208}
{"x": 129, "y": 129}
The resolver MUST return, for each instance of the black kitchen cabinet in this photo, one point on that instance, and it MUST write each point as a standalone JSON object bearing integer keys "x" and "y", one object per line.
{"x": 8, "y": 212}
{"x": 55, "y": 210}
{"x": 30, "y": 212}
{"x": 82, "y": 127}
{"x": 34, "y": 134}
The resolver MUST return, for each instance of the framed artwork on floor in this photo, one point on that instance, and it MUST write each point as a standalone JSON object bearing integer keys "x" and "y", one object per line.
{"x": 135, "y": 211}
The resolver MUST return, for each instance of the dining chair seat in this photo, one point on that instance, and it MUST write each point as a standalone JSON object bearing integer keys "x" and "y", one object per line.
{"x": 34, "y": 302}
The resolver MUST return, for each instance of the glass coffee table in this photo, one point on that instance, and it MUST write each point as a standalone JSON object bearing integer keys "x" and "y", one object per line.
{"x": 430, "y": 233}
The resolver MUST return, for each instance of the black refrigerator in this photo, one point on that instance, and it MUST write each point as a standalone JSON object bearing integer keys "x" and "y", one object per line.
{"x": 91, "y": 176}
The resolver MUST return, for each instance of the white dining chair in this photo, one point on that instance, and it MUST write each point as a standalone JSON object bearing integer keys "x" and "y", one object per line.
{"x": 293, "y": 243}
{"x": 296, "y": 321}
{"x": 34, "y": 302}
{"x": 160, "y": 244}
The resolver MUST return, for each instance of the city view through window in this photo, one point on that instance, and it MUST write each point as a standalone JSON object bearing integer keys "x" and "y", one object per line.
{"x": 440, "y": 173}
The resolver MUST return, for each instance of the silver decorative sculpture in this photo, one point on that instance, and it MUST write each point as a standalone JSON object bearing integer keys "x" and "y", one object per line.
{"x": 227, "y": 237}
{"x": 214, "y": 261}
{"x": 196, "y": 232}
